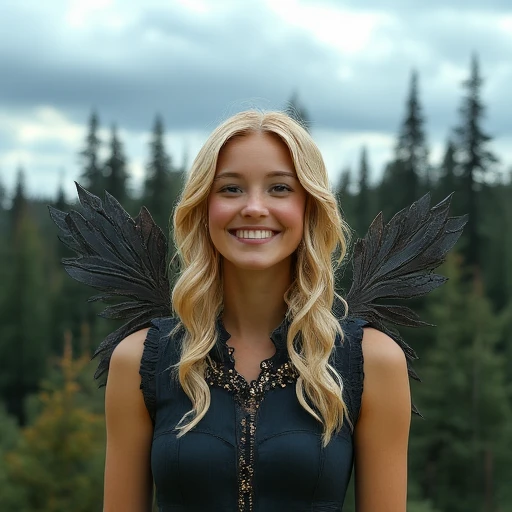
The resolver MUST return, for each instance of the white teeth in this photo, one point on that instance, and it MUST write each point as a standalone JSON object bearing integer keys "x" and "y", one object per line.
{"x": 245, "y": 233}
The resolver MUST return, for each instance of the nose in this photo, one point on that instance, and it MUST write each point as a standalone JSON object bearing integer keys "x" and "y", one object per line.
{"x": 255, "y": 206}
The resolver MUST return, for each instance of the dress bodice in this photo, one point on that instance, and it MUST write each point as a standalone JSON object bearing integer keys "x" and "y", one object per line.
{"x": 256, "y": 449}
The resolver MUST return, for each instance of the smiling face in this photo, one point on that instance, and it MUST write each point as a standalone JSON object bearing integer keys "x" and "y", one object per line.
{"x": 256, "y": 204}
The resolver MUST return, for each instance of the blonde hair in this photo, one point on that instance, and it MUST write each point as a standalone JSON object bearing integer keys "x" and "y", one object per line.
{"x": 197, "y": 296}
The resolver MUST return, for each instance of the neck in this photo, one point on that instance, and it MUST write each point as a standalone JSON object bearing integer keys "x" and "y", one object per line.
{"x": 254, "y": 300}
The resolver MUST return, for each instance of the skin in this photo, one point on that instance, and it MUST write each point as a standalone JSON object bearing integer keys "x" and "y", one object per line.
{"x": 244, "y": 194}
{"x": 382, "y": 430}
{"x": 247, "y": 193}
{"x": 128, "y": 482}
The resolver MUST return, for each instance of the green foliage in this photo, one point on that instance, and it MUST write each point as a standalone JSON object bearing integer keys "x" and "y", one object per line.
{"x": 2, "y": 195}
{"x": 420, "y": 506}
{"x": 56, "y": 465}
{"x": 411, "y": 149}
{"x": 494, "y": 202}
{"x": 407, "y": 177}
{"x": 476, "y": 159}
{"x": 448, "y": 181}
{"x": 456, "y": 451}
{"x": 157, "y": 185}
{"x": 363, "y": 200}
{"x": 115, "y": 172}
{"x": 12, "y": 497}
{"x": 91, "y": 176}
{"x": 19, "y": 203}
{"x": 23, "y": 348}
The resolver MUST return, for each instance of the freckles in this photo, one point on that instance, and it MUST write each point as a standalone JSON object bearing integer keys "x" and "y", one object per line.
{"x": 219, "y": 211}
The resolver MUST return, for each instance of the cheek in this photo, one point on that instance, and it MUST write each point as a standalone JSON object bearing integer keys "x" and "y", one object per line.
{"x": 293, "y": 216}
{"x": 219, "y": 212}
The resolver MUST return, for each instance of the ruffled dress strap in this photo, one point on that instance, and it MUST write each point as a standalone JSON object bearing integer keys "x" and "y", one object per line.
{"x": 156, "y": 357}
{"x": 348, "y": 361}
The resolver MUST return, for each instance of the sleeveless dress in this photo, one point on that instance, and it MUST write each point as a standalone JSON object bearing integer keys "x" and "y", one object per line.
{"x": 256, "y": 449}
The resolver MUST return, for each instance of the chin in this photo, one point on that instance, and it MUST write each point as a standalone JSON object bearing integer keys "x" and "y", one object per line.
{"x": 258, "y": 264}
{"x": 253, "y": 265}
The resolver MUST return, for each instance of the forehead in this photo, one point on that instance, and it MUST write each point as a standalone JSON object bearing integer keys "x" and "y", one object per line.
{"x": 255, "y": 151}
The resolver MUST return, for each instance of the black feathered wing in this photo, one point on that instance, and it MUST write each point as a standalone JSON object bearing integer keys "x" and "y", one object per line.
{"x": 122, "y": 257}
{"x": 126, "y": 257}
{"x": 396, "y": 261}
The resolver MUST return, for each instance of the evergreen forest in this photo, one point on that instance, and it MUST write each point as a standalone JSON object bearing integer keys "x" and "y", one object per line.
{"x": 52, "y": 430}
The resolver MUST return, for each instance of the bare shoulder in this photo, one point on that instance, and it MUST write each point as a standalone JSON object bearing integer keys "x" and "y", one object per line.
{"x": 382, "y": 355}
{"x": 129, "y": 350}
{"x": 128, "y": 484}
{"x": 386, "y": 392}
{"x": 382, "y": 430}
{"x": 123, "y": 382}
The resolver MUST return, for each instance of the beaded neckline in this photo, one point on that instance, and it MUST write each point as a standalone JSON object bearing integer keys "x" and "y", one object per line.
{"x": 223, "y": 353}
{"x": 276, "y": 372}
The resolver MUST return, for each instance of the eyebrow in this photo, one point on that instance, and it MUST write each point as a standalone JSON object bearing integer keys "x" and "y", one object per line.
{"x": 272, "y": 174}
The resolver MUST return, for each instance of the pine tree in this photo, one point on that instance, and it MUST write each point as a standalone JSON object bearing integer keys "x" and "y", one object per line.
{"x": 12, "y": 497}
{"x": 2, "y": 196}
{"x": 411, "y": 150}
{"x": 115, "y": 173}
{"x": 448, "y": 181}
{"x": 346, "y": 204}
{"x": 4, "y": 222}
{"x": 58, "y": 462}
{"x": 23, "y": 310}
{"x": 405, "y": 178}
{"x": 92, "y": 176}
{"x": 475, "y": 157}
{"x": 158, "y": 178}
{"x": 62, "y": 290}
{"x": 343, "y": 196}
{"x": 392, "y": 195}
{"x": 60, "y": 201}
{"x": 457, "y": 453}
{"x": 362, "y": 200}
{"x": 297, "y": 111}
{"x": 19, "y": 202}
{"x": 495, "y": 238}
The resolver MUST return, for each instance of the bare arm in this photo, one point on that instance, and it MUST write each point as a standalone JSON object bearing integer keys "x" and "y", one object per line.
{"x": 382, "y": 431}
{"x": 128, "y": 479}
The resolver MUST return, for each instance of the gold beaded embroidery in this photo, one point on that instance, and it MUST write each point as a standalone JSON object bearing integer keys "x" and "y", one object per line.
{"x": 248, "y": 397}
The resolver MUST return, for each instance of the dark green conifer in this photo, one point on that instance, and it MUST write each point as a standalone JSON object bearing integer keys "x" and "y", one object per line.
{"x": 91, "y": 176}
{"x": 157, "y": 185}
{"x": 476, "y": 160}
{"x": 115, "y": 172}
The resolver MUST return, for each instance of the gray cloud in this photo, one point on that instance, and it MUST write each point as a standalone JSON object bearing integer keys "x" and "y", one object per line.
{"x": 197, "y": 69}
{"x": 195, "y": 73}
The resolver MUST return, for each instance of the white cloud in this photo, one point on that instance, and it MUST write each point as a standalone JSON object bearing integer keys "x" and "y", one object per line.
{"x": 347, "y": 30}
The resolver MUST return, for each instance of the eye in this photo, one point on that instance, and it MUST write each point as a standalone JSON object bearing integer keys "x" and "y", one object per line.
{"x": 281, "y": 188}
{"x": 230, "y": 189}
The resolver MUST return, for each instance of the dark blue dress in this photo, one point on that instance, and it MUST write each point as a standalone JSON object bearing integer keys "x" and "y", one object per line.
{"x": 256, "y": 449}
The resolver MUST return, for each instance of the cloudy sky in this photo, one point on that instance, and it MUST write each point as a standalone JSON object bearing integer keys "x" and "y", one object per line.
{"x": 198, "y": 61}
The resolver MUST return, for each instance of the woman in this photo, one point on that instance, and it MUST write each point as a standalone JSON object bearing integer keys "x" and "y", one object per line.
{"x": 252, "y": 392}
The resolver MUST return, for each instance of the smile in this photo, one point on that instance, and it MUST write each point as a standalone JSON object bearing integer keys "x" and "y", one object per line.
{"x": 253, "y": 234}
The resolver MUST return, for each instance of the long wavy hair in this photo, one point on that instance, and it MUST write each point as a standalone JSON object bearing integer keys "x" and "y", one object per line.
{"x": 197, "y": 296}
